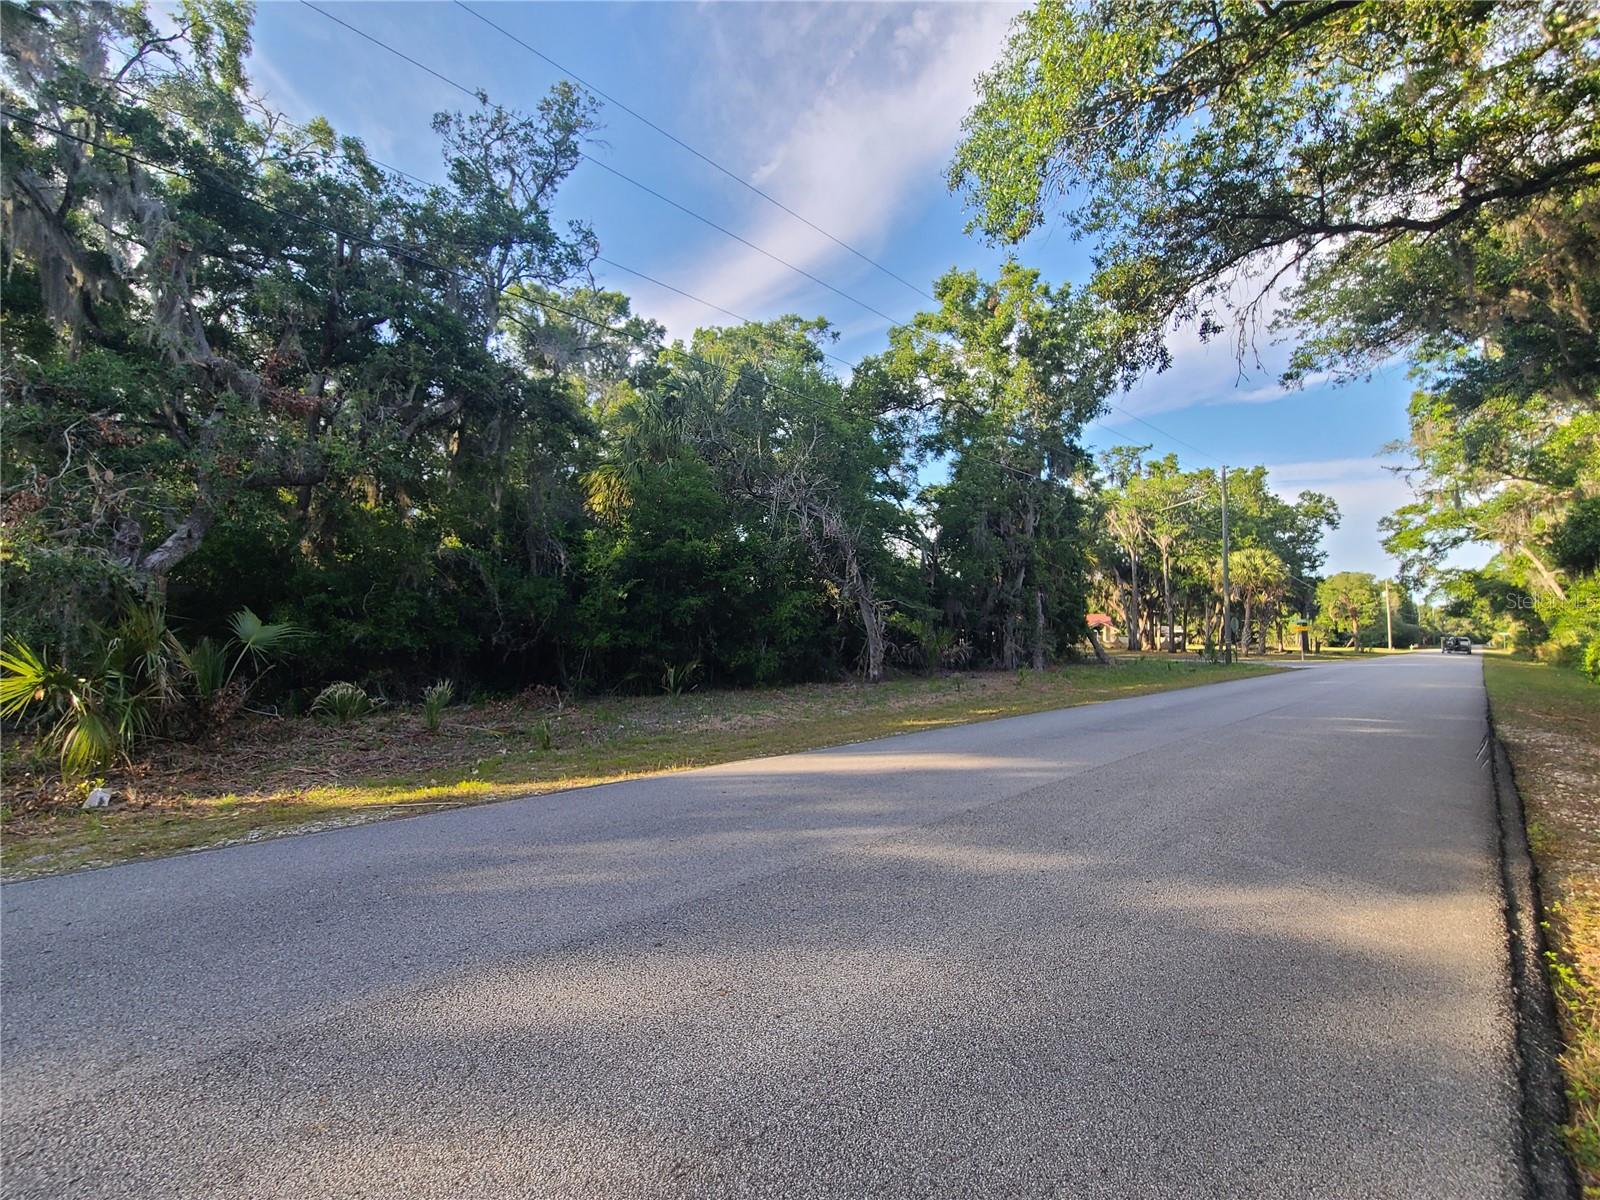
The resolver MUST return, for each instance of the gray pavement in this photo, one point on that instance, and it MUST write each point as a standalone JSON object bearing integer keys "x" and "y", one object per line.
{"x": 1242, "y": 940}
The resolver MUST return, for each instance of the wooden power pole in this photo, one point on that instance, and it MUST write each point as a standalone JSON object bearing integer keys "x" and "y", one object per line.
{"x": 1227, "y": 614}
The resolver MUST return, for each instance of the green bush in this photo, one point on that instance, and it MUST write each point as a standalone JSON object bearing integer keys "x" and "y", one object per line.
{"x": 434, "y": 701}
{"x": 1576, "y": 543}
{"x": 135, "y": 679}
{"x": 343, "y": 702}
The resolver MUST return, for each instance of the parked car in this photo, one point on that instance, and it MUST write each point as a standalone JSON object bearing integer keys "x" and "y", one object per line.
{"x": 1456, "y": 645}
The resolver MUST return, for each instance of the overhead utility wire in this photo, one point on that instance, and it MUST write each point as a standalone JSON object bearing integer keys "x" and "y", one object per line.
{"x": 702, "y": 156}
{"x": 378, "y": 244}
{"x": 649, "y": 278}
{"x": 601, "y": 258}
{"x": 483, "y": 98}
{"x": 1156, "y": 429}
{"x": 421, "y": 259}
{"x": 844, "y": 362}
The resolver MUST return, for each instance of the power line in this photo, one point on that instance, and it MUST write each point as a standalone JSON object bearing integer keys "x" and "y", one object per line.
{"x": 703, "y": 157}
{"x": 743, "y": 183}
{"x": 482, "y": 97}
{"x": 403, "y": 251}
{"x": 424, "y": 260}
{"x": 844, "y": 362}
{"x": 1211, "y": 531}
{"x": 391, "y": 247}
{"x": 1161, "y": 432}
{"x": 610, "y": 262}
{"x": 725, "y": 231}
{"x": 549, "y": 306}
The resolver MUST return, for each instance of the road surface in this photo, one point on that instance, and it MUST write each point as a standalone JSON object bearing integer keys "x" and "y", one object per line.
{"x": 1241, "y": 940}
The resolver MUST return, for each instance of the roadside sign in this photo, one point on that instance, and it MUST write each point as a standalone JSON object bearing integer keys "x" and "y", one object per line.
{"x": 1301, "y": 628}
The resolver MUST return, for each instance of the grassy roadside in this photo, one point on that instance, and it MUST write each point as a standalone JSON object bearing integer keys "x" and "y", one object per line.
{"x": 275, "y": 776}
{"x": 1549, "y": 719}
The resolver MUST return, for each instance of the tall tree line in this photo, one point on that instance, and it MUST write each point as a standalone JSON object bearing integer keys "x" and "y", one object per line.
{"x": 1372, "y": 181}
{"x": 247, "y": 368}
{"x": 1157, "y": 558}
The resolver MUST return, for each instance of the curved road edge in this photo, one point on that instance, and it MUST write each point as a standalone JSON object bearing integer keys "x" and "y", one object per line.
{"x": 1546, "y": 1166}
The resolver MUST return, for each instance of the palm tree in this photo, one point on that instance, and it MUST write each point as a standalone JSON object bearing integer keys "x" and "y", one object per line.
{"x": 1259, "y": 579}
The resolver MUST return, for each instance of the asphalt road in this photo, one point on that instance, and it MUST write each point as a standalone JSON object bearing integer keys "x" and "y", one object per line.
{"x": 1242, "y": 940}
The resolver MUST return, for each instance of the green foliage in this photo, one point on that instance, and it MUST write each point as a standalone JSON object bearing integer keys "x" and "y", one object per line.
{"x": 677, "y": 681}
{"x": 343, "y": 702}
{"x": 435, "y": 700}
{"x": 97, "y": 716}
{"x": 207, "y": 664}
{"x": 936, "y": 644}
{"x": 1429, "y": 175}
{"x": 1159, "y": 553}
{"x": 402, "y": 424}
{"x": 1010, "y": 374}
{"x": 92, "y": 715}
{"x": 1350, "y": 604}
{"x": 259, "y": 641}
{"x": 1575, "y": 543}
{"x": 135, "y": 680}
{"x": 1197, "y": 143}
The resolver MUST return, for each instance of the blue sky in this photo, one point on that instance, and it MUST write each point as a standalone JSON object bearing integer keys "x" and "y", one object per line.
{"x": 848, "y": 113}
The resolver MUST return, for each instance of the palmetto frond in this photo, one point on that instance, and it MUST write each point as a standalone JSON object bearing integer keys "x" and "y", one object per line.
{"x": 259, "y": 640}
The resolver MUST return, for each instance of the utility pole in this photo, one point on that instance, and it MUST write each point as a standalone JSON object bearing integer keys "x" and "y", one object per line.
{"x": 1227, "y": 614}
{"x": 1388, "y": 614}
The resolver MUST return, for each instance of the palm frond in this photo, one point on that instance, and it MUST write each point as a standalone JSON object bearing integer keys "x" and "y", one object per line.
{"x": 259, "y": 640}
{"x": 207, "y": 665}
{"x": 25, "y": 679}
{"x": 87, "y": 740}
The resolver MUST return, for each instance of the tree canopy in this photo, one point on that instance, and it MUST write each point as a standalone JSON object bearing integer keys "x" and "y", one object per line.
{"x": 248, "y": 370}
{"x": 1366, "y": 180}
{"x": 1213, "y": 150}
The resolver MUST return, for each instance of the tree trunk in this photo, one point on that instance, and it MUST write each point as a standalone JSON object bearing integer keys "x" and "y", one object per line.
{"x": 1099, "y": 650}
{"x": 1038, "y": 629}
{"x": 183, "y": 541}
{"x": 1548, "y": 576}
{"x": 872, "y": 623}
{"x": 1166, "y": 595}
{"x": 832, "y": 547}
{"x": 860, "y": 590}
{"x": 1133, "y": 610}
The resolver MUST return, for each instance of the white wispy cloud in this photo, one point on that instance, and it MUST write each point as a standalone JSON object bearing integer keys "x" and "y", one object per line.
{"x": 1366, "y": 490}
{"x": 1241, "y": 364}
{"x": 847, "y": 130}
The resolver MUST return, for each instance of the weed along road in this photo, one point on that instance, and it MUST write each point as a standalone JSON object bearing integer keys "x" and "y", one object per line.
{"x": 1240, "y": 940}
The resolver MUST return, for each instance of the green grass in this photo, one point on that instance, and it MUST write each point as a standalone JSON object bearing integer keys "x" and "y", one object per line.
{"x": 1549, "y": 719}
{"x": 276, "y": 776}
